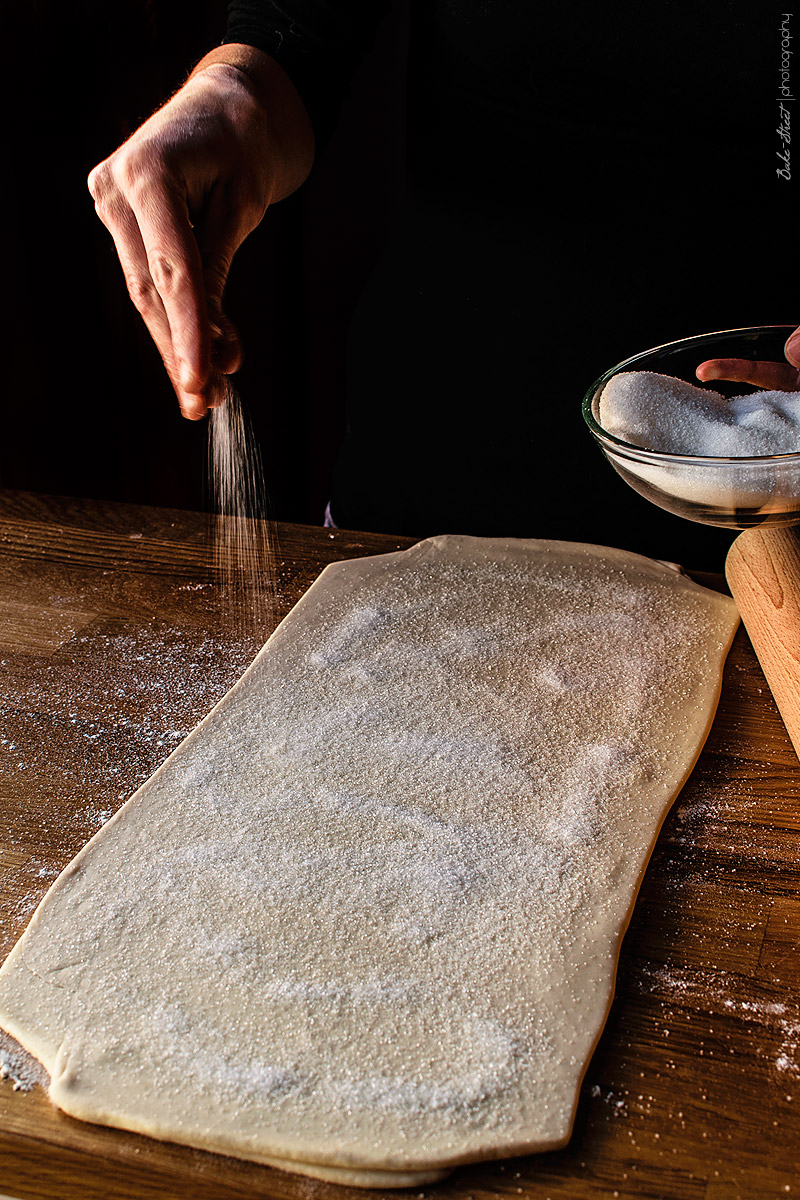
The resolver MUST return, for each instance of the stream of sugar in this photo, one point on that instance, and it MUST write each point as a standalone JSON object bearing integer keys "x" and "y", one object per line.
{"x": 243, "y": 533}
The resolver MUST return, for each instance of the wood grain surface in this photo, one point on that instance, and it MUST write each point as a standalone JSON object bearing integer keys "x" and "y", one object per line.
{"x": 116, "y": 636}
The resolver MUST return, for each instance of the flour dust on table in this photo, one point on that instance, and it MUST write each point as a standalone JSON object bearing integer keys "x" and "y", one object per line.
{"x": 364, "y": 922}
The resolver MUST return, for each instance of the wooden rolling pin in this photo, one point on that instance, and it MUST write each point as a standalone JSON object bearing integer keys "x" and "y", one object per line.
{"x": 763, "y": 572}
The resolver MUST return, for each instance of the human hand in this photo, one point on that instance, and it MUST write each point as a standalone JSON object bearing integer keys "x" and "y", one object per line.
{"x": 182, "y": 193}
{"x": 775, "y": 376}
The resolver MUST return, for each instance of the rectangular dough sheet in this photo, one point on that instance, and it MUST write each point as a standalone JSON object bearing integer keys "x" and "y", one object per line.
{"x": 364, "y": 922}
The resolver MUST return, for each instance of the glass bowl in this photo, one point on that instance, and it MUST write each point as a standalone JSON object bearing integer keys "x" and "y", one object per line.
{"x": 735, "y": 493}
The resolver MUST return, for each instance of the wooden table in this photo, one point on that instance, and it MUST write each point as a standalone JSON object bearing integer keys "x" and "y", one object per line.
{"x": 115, "y": 639}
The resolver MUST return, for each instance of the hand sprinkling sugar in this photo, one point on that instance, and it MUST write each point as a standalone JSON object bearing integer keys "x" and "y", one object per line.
{"x": 183, "y": 192}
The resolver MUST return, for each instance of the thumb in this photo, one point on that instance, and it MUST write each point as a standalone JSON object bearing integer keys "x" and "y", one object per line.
{"x": 792, "y": 348}
{"x": 226, "y": 345}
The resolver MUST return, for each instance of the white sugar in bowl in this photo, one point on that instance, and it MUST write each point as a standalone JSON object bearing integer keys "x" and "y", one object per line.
{"x": 734, "y": 488}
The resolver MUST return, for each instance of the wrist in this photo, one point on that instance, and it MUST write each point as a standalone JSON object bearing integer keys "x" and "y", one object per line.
{"x": 258, "y": 67}
{"x": 269, "y": 85}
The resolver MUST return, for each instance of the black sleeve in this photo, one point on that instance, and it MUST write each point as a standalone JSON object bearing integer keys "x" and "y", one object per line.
{"x": 319, "y": 43}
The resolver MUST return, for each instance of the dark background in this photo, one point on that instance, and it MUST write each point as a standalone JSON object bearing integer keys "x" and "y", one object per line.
{"x": 89, "y": 410}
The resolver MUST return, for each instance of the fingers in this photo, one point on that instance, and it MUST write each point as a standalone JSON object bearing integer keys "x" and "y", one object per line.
{"x": 775, "y": 376}
{"x": 175, "y": 270}
{"x": 161, "y": 264}
{"x": 226, "y": 346}
{"x": 217, "y": 389}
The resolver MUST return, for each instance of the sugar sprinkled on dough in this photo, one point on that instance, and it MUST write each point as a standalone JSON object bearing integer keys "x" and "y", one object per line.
{"x": 378, "y": 896}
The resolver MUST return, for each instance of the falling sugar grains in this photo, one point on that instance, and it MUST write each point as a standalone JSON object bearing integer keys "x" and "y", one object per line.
{"x": 243, "y": 535}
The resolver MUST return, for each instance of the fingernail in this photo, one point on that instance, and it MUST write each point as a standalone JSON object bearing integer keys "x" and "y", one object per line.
{"x": 193, "y": 414}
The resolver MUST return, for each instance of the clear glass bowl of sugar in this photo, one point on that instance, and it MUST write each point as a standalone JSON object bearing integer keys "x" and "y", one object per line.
{"x": 733, "y": 492}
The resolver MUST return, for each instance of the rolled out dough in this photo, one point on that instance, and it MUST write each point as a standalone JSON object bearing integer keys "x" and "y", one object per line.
{"x": 364, "y": 922}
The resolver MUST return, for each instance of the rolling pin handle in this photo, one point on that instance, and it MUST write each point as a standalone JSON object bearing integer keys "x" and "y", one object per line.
{"x": 763, "y": 573}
